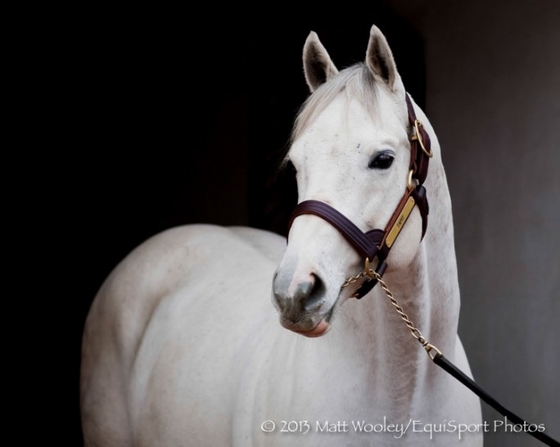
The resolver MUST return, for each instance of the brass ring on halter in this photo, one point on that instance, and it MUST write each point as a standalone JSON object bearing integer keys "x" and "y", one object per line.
{"x": 367, "y": 270}
{"x": 418, "y": 136}
{"x": 409, "y": 184}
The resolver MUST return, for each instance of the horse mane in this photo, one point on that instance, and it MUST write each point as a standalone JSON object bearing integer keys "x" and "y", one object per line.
{"x": 356, "y": 82}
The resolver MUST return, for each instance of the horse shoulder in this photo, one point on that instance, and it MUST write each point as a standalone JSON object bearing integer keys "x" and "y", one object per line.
{"x": 172, "y": 262}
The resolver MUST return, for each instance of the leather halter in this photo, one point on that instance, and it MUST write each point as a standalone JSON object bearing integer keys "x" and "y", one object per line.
{"x": 377, "y": 243}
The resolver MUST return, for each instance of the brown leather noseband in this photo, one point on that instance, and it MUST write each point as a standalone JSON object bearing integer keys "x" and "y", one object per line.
{"x": 377, "y": 243}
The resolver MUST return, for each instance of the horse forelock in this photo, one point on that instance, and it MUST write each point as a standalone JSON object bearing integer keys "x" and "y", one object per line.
{"x": 355, "y": 82}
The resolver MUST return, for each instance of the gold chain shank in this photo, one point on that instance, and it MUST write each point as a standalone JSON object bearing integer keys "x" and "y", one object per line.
{"x": 431, "y": 349}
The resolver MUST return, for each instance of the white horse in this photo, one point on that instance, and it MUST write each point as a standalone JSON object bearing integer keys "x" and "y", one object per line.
{"x": 182, "y": 345}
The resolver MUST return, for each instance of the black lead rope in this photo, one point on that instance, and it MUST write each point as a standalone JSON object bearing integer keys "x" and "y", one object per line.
{"x": 450, "y": 368}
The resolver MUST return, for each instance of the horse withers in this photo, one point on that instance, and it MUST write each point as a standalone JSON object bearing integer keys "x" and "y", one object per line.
{"x": 183, "y": 347}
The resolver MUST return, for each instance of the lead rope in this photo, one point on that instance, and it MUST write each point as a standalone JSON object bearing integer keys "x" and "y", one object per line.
{"x": 437, "y": 357}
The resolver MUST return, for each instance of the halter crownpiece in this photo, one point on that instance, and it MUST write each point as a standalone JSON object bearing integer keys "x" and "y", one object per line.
{"x": 377, "y": 243}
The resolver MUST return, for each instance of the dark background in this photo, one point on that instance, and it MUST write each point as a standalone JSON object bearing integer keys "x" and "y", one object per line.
{"x": 176, "y": 117}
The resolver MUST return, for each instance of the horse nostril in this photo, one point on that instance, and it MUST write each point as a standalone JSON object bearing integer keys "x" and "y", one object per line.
{"x": 316, "y": 294}
{"x": 302, "y": 292}
{"x": 306, "y": 296}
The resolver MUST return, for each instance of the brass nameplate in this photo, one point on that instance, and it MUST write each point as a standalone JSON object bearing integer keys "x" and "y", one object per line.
{"x": 399, "y": 223}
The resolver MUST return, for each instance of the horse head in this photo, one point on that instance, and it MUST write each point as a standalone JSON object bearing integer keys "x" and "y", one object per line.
{"x": 351, "y": 150}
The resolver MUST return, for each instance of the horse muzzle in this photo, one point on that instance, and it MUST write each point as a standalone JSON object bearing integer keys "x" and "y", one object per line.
{"x": 302, "y": 304}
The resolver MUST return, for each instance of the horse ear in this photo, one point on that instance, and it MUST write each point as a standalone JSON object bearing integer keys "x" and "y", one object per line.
{"x": 379, "y": 58}
{"x": 317, "y": 64}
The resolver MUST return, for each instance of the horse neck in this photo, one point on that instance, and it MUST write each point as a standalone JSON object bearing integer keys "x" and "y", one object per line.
{"x": 428, "y": 289}
{"x": 428, "y": 292}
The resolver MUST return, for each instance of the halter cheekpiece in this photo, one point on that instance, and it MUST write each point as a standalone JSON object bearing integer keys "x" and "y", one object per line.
{"x": 377, "y": 243}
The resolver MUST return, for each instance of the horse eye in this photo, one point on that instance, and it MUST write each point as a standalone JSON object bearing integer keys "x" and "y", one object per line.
{"x": 384, "y": 160}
